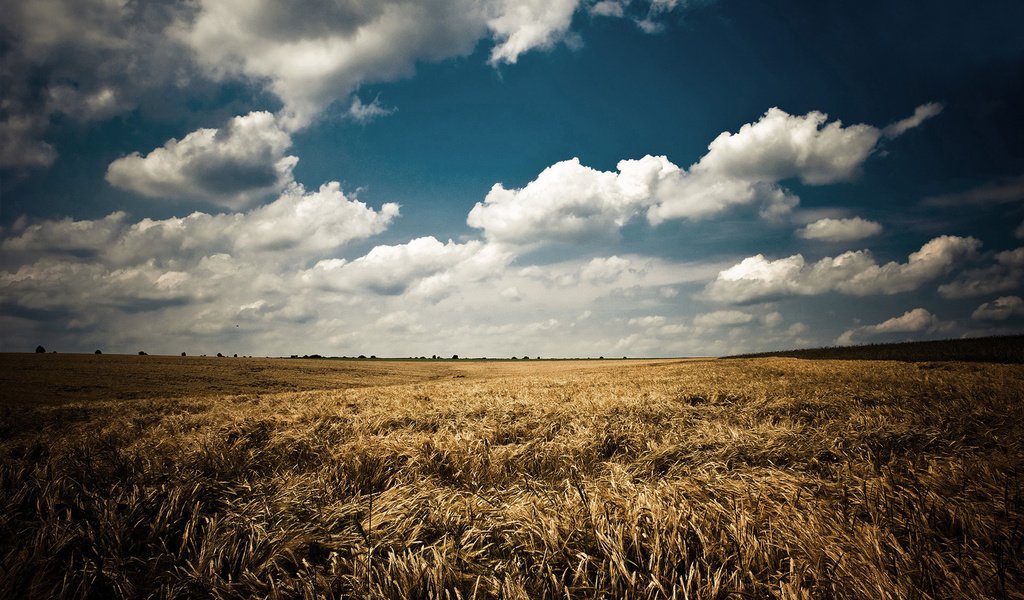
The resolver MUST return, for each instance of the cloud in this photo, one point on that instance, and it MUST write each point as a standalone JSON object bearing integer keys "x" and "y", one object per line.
{"x": 231, "y": 167}
{"x": 84, "y": 60}
{"x": 1000, "y": 191}
{"x": 1000, "y": 309}
{"x": 746, "y": 167}
{"x": 19, "y": 143}
{"x": 297, "y": 225}
{"x": 364, "y": 113}
{"x": 722, "y": 318}
{"x": 605, "y": 270}
{"x": 314, "y": 53}
{"x": 853, "y": 273}
{"x": 423, "y": 266}
{"x": 570, "y": 201}
{"x": 917, "y": 320}
{"x": 608, "y": 8}
{"x": 921, "y": 114}
{"x": 1006, "y": 274}
{"x": 529, "y": 24}
{"x": 839, "y": 230}
{"x": 567, "y": 201}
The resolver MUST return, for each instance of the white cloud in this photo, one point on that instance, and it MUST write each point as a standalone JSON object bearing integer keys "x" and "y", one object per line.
{"x": 839, "y": 230}
{"x": 567, "y": 201}
{"x": 917, "y": 320}
{"x": 422, "y": 266}
{"x": 607, "y": 270}
{"x": 921, "y": 114}
{"x": 1000, "y": 309}
{"x": 297, "y": 225}
{"x": 231, "y": 167}
{"x": 529, "y": 24}
{"x": 570, "y": 201}
{"x": 1006, "y": 274}
{"x": 746, "y": 166}
{"x": 364, "y": 113}
{"x": 853, "y": 273}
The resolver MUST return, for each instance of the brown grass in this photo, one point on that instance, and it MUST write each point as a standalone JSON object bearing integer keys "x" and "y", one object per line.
{"x": 767, "y": 478}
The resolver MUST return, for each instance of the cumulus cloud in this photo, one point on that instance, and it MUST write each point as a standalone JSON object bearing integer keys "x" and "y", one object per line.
{"x": 747, "y": 166}
{"x": 423, "y": 266}
{"x": 853, "y": 273}
{"x": 569, "y": 200}
{"x": 1000, "y": 309}
{"x": 182, "y": 280}
{"x": 296, "y": 225}
{"x": 1007, "y": 273}
{"x": 839, "y": 230}
{"x": 231, "y": 167}
{"x": 917, "y": 320}
{"x": 921, "y": 114}
{"x": 607, "y": 270}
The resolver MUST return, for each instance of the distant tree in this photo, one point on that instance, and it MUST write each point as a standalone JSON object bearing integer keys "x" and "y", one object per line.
{"x": 236, "y": 356}
{"x": 362, "y": 356}
{"x": 514, "y": 358}
{"x": 40, "y": 350}
{"x": 97, "y": 352}
{"x": 526, "y": 358}
{"x": 600, "y": 358}
{"x": 373, "y": 356}
{"x": 433, "y": 357}
{"x": 219, "y": 355}
{"x": 183, "y": 354}
{"x": 142, "y": 353}
{"x": 455, "y": 357}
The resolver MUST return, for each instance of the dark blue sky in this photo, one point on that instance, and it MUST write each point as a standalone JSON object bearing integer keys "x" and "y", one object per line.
{"x": 467, "y": 98}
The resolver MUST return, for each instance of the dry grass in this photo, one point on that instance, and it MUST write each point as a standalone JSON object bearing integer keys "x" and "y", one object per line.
{"x": 767, "y": 478}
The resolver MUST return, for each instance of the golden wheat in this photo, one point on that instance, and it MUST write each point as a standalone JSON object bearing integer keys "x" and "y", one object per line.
{"x": 766, "y": 478}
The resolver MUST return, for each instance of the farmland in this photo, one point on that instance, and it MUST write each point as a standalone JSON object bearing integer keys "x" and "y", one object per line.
{"x": 184, "y": 477}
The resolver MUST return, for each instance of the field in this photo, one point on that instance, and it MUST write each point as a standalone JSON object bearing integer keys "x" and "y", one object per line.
{"x": 172, "y": 477}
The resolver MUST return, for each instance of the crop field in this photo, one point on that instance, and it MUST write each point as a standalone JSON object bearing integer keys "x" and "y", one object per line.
{"x": 189, "y": 477}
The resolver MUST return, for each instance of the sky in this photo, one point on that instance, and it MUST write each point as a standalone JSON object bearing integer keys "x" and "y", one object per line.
{"x": 556, "y": 178}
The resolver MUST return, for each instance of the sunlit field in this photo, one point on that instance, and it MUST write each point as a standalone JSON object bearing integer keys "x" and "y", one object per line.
{"x": 173, "y": 477}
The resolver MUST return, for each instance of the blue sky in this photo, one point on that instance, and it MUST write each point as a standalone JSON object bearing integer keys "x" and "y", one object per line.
{"x": 508, "y": 177}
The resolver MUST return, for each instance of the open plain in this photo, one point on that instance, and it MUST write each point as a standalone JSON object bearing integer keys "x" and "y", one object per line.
{"x": 182, "y": 477}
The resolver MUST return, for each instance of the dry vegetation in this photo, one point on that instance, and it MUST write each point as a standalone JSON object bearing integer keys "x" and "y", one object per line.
{"x": 766, "y": 478}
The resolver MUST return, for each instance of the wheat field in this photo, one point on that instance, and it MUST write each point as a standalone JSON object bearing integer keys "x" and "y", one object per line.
{"x": 168, "y": 477}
